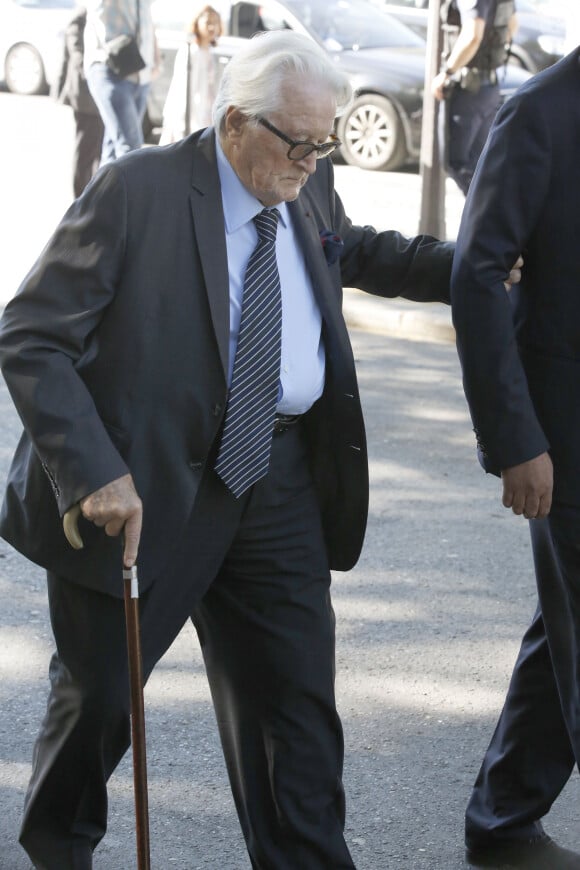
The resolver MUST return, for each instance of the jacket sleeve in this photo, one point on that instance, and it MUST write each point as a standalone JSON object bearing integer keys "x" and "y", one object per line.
{"x": 49, "y": 330}
{"x": 389, "y": 264}
{"x": 501, "y": 210}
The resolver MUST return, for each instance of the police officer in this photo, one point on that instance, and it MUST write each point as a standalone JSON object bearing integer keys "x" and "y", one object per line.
{"x": 476, "y": 35}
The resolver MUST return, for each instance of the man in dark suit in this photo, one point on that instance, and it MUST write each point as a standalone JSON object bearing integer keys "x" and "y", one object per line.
{"x": 521, "y": 366}
{"x": 121, "y": 353}
{"x": 71, "y": 89}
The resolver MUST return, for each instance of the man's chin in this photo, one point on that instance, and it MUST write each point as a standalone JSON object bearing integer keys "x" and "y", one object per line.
{"x": 292, "y": 191}
{"x": 284, "y": 193}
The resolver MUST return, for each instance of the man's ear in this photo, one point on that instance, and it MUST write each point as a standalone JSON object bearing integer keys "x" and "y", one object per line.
{"x": 234, "y": 123}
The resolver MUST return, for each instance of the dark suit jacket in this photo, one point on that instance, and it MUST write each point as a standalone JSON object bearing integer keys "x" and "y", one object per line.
{"x": 521, "y": 355}
{"x": 115, "y": 351}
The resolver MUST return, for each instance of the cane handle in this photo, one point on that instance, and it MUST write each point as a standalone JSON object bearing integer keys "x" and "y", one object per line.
{"x": 70, "y": 527}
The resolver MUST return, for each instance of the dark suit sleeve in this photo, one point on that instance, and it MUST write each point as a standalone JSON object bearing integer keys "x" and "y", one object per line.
{"x": 48, "y": 333}
{"x": 502, "y": 208}
{"x": 389, "y": 264}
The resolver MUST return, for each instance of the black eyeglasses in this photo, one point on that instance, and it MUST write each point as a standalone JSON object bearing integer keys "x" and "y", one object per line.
{"x": 300, "y": 150}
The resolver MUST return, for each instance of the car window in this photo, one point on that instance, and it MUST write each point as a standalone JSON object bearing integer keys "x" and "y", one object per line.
{"x": 46, "y": 4}
{"x": 550, "y": 8}
{"x": 249, "y": 18}
{"x": 338, "y": 24}
{"x": 411, "y": 4}
{"x": 347, "y": 24}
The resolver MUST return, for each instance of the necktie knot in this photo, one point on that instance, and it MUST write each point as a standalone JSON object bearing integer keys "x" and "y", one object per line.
{"x": 267, "y": 224}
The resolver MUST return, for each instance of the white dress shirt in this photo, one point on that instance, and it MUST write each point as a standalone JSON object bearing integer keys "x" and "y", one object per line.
{"x": 302, "y": 364}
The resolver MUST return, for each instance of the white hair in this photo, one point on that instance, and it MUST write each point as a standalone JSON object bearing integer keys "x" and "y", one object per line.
{"x": 253, "y": 78}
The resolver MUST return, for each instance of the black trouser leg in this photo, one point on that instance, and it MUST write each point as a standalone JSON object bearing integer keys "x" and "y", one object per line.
{"x": 88, "y": 148}
{"x": 85, "y": 731}
{"x": 535, "y": 744}
{"x": 470, "y": 116}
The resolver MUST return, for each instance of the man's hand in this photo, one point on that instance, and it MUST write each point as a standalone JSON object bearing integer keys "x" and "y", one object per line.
{"x": 438, "y": 85}
{"x": 117, "y": 508}
{"x": 515, "y": 275}
{"x": 527, "y": 488}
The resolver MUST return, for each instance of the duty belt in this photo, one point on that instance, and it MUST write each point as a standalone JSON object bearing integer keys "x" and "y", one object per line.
{"x": 470, "y": 78}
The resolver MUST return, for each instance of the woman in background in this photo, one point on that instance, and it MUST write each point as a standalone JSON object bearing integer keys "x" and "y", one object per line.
{"x": 195, "y": 79}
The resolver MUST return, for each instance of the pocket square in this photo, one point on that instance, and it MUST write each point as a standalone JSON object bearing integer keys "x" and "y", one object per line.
{"x": 332, "y": 245}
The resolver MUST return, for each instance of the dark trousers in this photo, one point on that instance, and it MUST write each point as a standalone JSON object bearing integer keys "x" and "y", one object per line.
{"x": 467, "y": 118}
{"x": 537, "y": 738}
{"x": 253, "y": 576}
{"x": 89, "y": 132}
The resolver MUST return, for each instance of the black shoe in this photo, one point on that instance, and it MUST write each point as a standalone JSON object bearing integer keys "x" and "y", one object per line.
{"x": 537, "y": 854}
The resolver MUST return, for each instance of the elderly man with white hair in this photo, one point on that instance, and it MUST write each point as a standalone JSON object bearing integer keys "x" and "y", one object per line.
{"x": 183, "y": 371}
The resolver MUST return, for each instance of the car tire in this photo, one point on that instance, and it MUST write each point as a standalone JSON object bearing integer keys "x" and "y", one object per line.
{"x": 521, "y": 61}
{"x": 372, "y": 134}
{"x": 24, "y": 70}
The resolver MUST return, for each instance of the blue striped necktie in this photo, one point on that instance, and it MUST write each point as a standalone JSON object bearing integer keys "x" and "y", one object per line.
{"x": 244, "y": 453}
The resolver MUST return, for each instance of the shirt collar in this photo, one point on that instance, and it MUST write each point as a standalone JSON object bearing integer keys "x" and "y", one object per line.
{"x": 240, "y": 206}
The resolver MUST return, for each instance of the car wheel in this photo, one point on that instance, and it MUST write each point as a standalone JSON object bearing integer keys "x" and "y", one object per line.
{"x": 24, "y": 70}
{"x": 372, "y": 134}
{"x": 518, "y": 61}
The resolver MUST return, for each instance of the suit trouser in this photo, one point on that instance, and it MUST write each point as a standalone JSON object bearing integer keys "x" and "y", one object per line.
{"x": 537, "y": 738}
{"x": 253, "y": 575}
{"x": 469, "y": 117}
{"x": 89, "y": 131}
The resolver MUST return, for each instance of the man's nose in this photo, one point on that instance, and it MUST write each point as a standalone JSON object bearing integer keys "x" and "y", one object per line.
{"x": 308, "y": 163}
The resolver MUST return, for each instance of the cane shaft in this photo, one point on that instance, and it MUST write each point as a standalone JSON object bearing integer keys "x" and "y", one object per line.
{"x": 137, "y": 721}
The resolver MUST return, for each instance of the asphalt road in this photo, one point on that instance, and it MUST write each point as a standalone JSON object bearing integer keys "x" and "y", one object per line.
{"x": 428, "y": 623}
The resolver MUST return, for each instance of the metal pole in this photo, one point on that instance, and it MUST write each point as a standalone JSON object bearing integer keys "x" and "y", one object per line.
{"x": 131, "y": 594}
{"x": 432, "y": 217}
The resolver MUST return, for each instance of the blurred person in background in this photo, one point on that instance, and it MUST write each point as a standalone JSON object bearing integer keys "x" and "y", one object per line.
{"x": 476, "y": 36}
{"x": 122, "y": 101}
{"x": 71, "y": 89}
{"x": 195, "y": 80}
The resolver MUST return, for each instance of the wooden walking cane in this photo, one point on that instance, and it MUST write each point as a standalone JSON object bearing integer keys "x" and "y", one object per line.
{"x": 138, "y": 742}
{"x": 131, "y": 596}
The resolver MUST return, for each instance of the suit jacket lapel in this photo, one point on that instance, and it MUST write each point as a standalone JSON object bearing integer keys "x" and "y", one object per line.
{"x": 208, "y": 222}
{"x": 328, "y": 293}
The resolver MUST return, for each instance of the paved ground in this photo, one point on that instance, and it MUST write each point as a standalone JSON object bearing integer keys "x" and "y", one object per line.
{"x": 429, "y": 621}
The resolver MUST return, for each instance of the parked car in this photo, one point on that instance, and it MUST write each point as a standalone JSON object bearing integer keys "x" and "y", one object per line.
{"x": 541, "y": 35}
{"x": 383, "y": 58}
{"x": 31, "y": 40}
{"x": 538, "y": 43}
